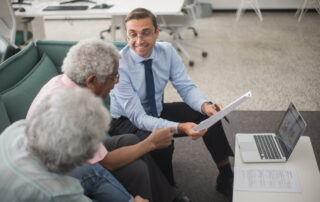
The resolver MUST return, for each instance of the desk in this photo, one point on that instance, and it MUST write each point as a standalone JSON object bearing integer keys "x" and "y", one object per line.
{"x": 118, "y": 12}
{"x": 35, "y": 10}
{"x": 303, "y": 160}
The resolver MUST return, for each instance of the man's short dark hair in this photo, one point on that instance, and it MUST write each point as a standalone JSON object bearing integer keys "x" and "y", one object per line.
{"x": 141, "y": 13}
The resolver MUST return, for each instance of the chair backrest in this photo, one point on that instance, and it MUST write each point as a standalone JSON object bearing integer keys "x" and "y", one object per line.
{"x": 7, "y": 21}
{"x": 189, "y": 8}
{"x": 178, "y": 22}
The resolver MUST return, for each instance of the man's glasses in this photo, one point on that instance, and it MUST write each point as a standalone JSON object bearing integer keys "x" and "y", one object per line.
{"x": 133, "y": 36}
{"x": 114, "y": 77}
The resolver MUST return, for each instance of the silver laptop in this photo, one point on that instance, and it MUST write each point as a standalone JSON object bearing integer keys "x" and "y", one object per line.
{"x": 273, "y": 147}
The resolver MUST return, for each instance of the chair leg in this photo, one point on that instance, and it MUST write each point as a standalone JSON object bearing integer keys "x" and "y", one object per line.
{"x": 194, "y": 31}
{"x": 318, "y": 6}
{"x": 107, "y": 30}
{"x": 257, "y": 10}
{"x": 191, "y": 44}
{"x": 179, "y": 47}
{"x": 303, "y": 10}
{"x": 239, "y": 11}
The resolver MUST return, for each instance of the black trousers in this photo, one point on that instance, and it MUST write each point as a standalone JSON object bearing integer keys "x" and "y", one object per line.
{"x": 142, "y": 176}
{"x": 215, "y": 139}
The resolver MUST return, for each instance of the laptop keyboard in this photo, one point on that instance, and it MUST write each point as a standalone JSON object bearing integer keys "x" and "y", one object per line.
{"x": 65, "y": 8}
{"x": 267, "y": 147}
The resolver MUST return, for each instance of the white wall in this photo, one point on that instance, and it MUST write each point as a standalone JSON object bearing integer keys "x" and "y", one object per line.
{"x": 264, "y": 4}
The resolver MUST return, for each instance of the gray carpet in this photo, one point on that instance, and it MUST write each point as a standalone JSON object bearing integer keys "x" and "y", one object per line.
{"x": 194, "y": 170}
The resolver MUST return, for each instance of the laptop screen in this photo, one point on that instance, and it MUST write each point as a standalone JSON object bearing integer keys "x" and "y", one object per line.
{"x": 290, "y": 129}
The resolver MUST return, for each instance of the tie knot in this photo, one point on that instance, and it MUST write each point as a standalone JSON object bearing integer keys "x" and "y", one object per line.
{"x": 147, "y": 62}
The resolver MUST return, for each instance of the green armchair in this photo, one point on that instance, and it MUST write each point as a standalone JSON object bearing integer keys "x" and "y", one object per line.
{"x": 23, "y": 75}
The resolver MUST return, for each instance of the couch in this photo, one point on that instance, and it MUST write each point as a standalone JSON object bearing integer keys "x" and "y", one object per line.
{"x": 23, "y": 74}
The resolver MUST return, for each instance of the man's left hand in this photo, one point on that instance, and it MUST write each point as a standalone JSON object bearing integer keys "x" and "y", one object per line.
{"x": 210, "y": 109}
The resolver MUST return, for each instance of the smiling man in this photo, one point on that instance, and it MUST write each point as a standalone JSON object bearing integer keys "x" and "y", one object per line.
{"x": 145, "y": 68}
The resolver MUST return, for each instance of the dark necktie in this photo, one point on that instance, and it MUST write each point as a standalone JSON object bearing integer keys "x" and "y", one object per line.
{"x": 150, "y": 86}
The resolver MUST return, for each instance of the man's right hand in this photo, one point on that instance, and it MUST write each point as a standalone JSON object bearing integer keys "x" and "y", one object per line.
{"x": 161, "y": 138}
{"x": 140, "y": 199}
{"x": 186, "y": 128}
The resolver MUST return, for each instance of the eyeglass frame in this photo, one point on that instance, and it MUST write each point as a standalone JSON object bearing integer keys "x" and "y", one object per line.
{"x": 142, "y": 36}
{"x": 114, "y": 77}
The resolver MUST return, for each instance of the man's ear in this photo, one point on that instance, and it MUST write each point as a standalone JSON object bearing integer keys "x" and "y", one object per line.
{"x": 157, "y": 32}
{"x": 90, "y": 82}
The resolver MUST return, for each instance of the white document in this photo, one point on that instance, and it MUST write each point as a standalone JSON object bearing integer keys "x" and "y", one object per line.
{"x": 218, "y": 116}
{"x": 266, "y": 179}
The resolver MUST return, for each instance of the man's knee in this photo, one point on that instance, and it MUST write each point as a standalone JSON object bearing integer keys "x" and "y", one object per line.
{"x": 136, "y": 178}
{"x": 116, "y": 142}
{"x": 128, "y": 139}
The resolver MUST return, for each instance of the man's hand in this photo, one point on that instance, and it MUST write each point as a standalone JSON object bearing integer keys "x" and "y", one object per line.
{"x": 140, "y": 199}
{"x": 186, "y": 128}
{"x": 161, "y": 138}
{"x": 210, "y": 109}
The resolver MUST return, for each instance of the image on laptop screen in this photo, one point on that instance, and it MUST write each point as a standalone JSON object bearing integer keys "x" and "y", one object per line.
{"x": 291, "y": 128}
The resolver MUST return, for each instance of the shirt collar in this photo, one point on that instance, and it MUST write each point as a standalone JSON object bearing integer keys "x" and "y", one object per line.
{"x": 66, "y": 80}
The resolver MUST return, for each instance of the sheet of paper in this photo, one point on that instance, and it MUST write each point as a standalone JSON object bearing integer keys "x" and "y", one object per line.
{"x": 218, "y": 116}
{"x": 266, "y": 179}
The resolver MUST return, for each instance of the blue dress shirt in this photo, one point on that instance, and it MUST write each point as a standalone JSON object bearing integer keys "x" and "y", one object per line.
{"x": 129, "y": 97}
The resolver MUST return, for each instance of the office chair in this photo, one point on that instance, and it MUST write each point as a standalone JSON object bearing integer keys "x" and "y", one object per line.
{"x": 304, "y": 8}
{"x": 175, "y": 24}
{"x": 185, "y": 3}
{"x": 8, "y": 25}
{"x": 253, "y": 3}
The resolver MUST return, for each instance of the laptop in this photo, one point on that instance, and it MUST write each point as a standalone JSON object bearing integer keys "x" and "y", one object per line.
{"x": 273, "y": 147}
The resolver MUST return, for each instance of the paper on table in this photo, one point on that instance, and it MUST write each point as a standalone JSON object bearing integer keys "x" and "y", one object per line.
{"x": 266, "y": 179}
{"x": 218, "y": 116}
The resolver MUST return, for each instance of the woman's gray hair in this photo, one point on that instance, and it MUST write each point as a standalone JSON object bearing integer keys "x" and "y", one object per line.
{"x": 66, "y": 129}
{"x": 90, "y": 57}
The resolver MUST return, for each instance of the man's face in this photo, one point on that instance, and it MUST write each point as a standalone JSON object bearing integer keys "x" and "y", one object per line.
{"x": 141, "y": 36}
{"x": 103, "y": 89}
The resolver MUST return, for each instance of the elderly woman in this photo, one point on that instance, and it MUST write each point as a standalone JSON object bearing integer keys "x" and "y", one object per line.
{"x": 93, "y": 64}
{"x": 36, "y": 154}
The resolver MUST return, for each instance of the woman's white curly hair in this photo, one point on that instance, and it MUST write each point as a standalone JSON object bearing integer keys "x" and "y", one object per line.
{"x": 67, "y": 128}
{"x": 90, "y": 57}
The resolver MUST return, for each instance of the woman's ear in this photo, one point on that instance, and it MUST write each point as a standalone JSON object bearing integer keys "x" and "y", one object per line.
{"x": 90, "y": 82}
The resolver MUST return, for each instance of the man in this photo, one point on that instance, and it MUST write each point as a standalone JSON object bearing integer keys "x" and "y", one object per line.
{"x": 93, "y": 64}
{"x": 36, "y": 154}
{"x": 145, "y": 68}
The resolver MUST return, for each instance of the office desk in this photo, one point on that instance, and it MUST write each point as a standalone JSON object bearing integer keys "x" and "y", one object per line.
{"x": 35, "y": 10}
{"x": 303, "y": 160}
{"x": 118, "y": 12}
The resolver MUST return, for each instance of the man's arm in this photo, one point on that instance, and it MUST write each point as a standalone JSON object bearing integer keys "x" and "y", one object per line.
{"x": 159, "y": 138}
{"x": 187, "y": 90}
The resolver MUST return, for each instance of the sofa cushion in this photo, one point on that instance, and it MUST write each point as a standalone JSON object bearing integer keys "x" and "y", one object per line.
{"x": 56, "y": 50}
{"x": 18, "y": 99}
{"x": 16, "y": 67}
{"x": 4, "y": 119}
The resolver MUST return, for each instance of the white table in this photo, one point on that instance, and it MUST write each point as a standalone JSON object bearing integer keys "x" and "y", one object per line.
{"x": 303, "y": 160}
{"x": 35, "y": 10}
{"x": 118, "y": 12}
